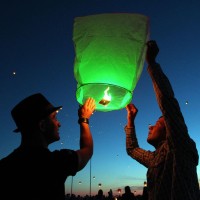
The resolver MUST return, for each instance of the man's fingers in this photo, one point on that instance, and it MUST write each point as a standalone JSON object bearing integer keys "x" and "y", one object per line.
{"x": 90, "y": 103}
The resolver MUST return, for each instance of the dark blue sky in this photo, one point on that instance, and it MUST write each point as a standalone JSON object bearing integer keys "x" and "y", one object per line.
{"x": 36, "y": 43}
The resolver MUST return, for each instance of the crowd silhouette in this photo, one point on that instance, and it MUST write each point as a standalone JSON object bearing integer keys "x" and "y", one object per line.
{"x": 127, "y": 195}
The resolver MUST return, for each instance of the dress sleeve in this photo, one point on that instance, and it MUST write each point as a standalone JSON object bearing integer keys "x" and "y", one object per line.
{"x": 177, "y": 132}
{"x": 133, "y": 150}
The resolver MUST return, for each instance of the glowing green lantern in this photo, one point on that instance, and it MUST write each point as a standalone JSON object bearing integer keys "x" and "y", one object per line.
{"x": 110, "y": 51}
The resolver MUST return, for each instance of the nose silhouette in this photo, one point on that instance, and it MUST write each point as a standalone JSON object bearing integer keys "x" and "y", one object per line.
{"x": 150, "y": 127}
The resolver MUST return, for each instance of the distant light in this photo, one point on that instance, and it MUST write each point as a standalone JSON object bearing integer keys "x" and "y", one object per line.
{"x": 58, "y": 110}
{"x": 186, "y": 102}
{"x": 99, "y": 185}
{"x": 14, "y": 73}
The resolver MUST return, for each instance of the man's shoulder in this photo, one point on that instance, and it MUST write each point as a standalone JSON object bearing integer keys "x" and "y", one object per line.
{"x": 10, "y": 156}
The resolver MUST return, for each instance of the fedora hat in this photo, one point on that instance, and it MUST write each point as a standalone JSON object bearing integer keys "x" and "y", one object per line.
{"x": 31, "y": 109}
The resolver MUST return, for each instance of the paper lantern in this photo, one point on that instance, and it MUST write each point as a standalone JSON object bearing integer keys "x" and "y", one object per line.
{"x": 109, "y": 57}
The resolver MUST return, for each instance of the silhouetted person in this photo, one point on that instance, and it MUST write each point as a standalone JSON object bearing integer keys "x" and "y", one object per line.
{"x": 128, "y": 195}
{"x": 110, "y": 194}
{"x": 100, "y": 195}
{"x": 145, "y": 192}
{"x": 172, "y": 166}
{"x": 32, "y": 171}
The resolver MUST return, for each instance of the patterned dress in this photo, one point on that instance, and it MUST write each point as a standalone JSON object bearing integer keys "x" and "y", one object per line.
{"x": 172, "y": 173}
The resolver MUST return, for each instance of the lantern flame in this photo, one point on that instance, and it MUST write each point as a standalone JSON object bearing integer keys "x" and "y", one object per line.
{"x": 106, "y": 98}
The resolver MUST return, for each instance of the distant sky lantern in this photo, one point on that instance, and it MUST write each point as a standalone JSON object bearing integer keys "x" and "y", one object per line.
{"x": 109, "y": 57}
{"x": 119, "y": 190}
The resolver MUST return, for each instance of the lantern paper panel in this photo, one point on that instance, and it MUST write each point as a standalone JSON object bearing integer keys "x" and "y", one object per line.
{"x": 110, "y": 51}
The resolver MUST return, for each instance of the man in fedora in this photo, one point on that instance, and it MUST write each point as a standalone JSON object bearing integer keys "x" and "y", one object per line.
{"x": 32, "y": 171}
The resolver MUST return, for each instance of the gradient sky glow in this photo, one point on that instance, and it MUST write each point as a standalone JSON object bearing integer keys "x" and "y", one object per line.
{"x": 37, "y": 55}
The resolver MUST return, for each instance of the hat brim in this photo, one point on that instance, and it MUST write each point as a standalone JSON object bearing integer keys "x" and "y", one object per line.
{"x": 17, "y": 130}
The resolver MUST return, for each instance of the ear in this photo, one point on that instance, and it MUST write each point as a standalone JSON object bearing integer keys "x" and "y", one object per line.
{"x": 42, "y": 125}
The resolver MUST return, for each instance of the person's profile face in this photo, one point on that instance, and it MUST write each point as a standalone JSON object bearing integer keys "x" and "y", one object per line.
{"x": 157, "y": 133}
{"x": 52, "y": 128}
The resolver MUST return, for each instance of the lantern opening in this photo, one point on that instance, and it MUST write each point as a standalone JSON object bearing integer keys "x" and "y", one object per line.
{"x": 120, "y": 96}
{"x": 106, "y": 98}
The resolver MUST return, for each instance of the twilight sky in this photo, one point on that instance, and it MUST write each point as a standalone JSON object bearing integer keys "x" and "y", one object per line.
{"x": 37, "y": 55}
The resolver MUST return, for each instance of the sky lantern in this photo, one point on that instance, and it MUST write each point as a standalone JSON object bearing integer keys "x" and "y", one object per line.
{"x": 109, "y": 57}
{"x": 119, "y": 190}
